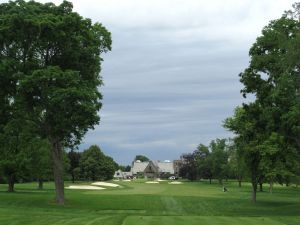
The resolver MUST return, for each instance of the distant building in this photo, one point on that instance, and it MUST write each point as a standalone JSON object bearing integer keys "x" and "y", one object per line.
{"x": 156, "y": 169}
{"x": 119, "y": 174}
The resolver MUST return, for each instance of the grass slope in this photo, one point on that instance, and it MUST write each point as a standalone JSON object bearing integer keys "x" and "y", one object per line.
{"x": 137, "y": 203}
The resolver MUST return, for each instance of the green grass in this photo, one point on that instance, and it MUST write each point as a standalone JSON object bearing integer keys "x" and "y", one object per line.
{"x": 137, "y": 203}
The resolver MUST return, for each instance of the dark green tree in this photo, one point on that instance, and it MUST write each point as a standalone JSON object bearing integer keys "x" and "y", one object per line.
{"x": 95, "y": 165}
{"x": 50, "y": 62}
{"x": 272, "y": 139}
{"x": 40, "y": 160}
{"x": 124, "y": 168}
{"x": 74, "y": 158}
{"x": 142, "y": 158}
{"x": 15, "y": 157}
{"x": 188, "y": 168}
{"x": 204, "y": 165}
{"x": 248, "y": 127}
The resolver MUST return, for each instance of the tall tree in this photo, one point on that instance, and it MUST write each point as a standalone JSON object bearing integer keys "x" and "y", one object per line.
{"x": 50, "y": 57}
{"x": 247, "y": 126}
{"x": 274, "y": 116}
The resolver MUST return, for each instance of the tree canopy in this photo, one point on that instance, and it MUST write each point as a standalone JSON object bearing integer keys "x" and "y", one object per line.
{"x": 49, "y": 71}
{"x": 268, "y": 128}
{"x": 142, "y": 158}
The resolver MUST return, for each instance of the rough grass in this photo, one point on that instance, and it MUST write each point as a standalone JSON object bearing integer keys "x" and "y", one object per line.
{"x": 137, "y": 203}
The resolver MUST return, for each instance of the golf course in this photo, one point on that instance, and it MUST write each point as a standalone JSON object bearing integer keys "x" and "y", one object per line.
{"x": 141, "y": 203}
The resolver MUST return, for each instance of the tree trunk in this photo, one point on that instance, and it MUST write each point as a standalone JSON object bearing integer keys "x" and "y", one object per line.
{"x": 254, "y": 186}
{"x": 11, "y": 183}
{"x": 209, "y": 180}
{"x": 239, "y": 179}
{"x": 41, "y": 184}
{"x": 220, "y": 181}
{"x": 260, "y": 187}
{"x": 73, "y": 177}
{"x": 58, "y": 172}
{"x": 271, "y": 186}
{"x": 254, "y": 189}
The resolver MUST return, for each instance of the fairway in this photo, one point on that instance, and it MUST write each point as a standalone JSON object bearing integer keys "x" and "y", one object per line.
{"x": 139, "y": 203}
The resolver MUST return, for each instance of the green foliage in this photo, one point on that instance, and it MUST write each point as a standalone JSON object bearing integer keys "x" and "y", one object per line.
{"x": 268, "y": 128}
{"x": 49, "y": 70}
{"x": 95, "y": 165}
{"x": 40, "y": 160}
{"x": 207, "y": 162}
{"x": 74, "y": 170}
{"x": 219, "y": 159}
{"x": 142, "y": 158}
{"x": 188, "y": 169}
{"x": 124, "y": 168}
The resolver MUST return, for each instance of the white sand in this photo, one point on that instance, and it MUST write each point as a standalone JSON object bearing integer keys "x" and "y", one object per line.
{"x": 175, "y": 182}
{"x": 126, "y": 180}
{"x": 152, "y": 182}
{"x": 85, "y": 187}
{"x": 105, "y": 184}
{"x": 161, "y": 180}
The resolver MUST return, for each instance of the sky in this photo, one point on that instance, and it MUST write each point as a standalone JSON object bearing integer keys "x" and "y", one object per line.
{"x": 172, "y": 75}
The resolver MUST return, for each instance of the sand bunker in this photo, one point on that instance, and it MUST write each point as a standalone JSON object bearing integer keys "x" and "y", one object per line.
{"x": 85, "y": 187}
{"x": 126, "y": 180}
{"x": 161, "y": 180}
{"x": 105, "y": 184}
{"x": 175, "y": 182}
{"x": 152, "y": 182}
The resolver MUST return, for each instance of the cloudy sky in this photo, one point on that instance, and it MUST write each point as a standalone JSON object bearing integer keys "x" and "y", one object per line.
{"x": 172, "y": 75}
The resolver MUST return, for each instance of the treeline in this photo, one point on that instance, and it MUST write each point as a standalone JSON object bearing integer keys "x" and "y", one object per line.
{"x": 33, "y": 163}
{"x": 215, "y": 161}
{"x": 223, "y": 159}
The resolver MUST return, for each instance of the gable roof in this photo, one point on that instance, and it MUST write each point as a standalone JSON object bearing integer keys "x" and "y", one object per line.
{"x": 139, "y": 167}
{"x": 165, "y": 167}
{"x": 162, "y": 166}
{"x": 151, "y": 167}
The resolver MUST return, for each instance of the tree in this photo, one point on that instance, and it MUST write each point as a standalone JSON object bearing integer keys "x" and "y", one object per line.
{"x": 95, "y": 165}
{"x": 40, "y": 160}
{"x": 142, "y": 158}
{"x": 50, "y": 59}
{"x": 204, "y": 165}
{"x": 272, "y": 142}
{"x": 236, "y": 162}
{"x": 14, "y": 160}
{"x": 124, "y": 168}
{"x": 188, "y": 168}
{"x": 247, "y": 126}
{"x": 219, "y": 159}
{"x": 74, "y": 158}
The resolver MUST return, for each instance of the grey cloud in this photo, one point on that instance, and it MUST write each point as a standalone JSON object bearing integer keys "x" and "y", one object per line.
{"x": 172, "y": 76}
